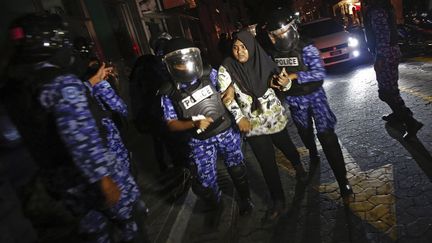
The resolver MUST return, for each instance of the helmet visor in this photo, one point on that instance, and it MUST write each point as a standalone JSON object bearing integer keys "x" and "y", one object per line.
{"x": 286, "y": 37}
{"x": 184, "y": 65}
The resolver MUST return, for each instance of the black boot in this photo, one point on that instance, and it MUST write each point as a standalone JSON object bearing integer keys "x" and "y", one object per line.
{"x": 412, "y": 127}
{"x": 139, "y": 214}
{"x": 392, "y": 118}
{"x": 239, "y": 177}
{"x": 273, "y": 214}
{"x": 332, "y": 150}
{"x": 207, "y": 194}
{"x": 404, "y": 115}
{"x": 301, "y": 174}
{"x": 308, "y": 138}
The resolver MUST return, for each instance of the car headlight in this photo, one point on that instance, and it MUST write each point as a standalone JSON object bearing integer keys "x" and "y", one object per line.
{"x": 352, "y": 42}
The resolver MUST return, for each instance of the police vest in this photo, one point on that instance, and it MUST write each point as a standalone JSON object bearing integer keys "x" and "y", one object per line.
{"x": 202, "y": 99}
{"x": 293, "y": 62}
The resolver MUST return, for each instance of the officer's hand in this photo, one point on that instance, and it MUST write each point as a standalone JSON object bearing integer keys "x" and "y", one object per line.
{"x": 244, "y": 125}
{"x": 228, "y": 95}
{"x": 110, "y": 190}
{"x": 203, "y": 123}
{"x": 274, "y": 83}
{"x": 283, "y": 78}
{"x": 101, "y": 74}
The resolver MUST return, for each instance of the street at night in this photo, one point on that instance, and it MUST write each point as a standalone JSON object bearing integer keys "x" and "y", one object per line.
{"x": 216, "y": 121}
{"x": 391, "y": 177}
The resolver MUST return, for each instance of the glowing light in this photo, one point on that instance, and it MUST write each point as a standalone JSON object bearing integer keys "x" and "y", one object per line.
{"x": 352, "y": 42}
{"x": 356, "y": 53}
{"x": 46, "y": 44}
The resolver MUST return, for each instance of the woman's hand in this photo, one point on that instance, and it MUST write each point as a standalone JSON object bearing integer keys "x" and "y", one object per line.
{"x": 244, "y": 125}
{"x": 101, "y": 74}
{"x": 228, "y": 95}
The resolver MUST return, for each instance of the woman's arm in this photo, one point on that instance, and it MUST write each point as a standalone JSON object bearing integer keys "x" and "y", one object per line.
{"x": 225, "y": 85}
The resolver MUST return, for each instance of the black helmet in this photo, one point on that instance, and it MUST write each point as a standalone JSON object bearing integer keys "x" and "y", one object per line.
{"x": 157, "y": 42}
{"x": 282, "y": 29}
{"x": 183, "y": 60}
{"x": 37, "y": 37}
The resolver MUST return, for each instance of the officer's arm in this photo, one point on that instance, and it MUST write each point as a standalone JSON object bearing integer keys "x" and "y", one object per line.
{"x": 312, "y": 59}
{"x": 178, "y": 125}
{"x": 224, "y": 81}
{"x": 107, "y": 94}
{"x": 170, "y": 116}
{"x": 77, "y": 128}
{"x": 174, "y": 124}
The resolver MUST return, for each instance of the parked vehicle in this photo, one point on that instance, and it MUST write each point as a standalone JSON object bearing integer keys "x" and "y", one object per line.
{"x": 335, "y": 43}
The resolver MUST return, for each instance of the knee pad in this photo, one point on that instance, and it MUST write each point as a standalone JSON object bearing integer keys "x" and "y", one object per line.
{"x": 204, "y": 192}
{"x": 238, "y": 171}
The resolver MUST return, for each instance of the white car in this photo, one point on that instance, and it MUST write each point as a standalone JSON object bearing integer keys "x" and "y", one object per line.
{"x": 334, "y": 42}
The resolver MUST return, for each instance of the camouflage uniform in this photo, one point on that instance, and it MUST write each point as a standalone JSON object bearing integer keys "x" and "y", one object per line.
{"x": 203, "y": 153}
{"x": 314, "y": 104}
{"x": 65, "y": 98}
{"x": 381, "y": 33}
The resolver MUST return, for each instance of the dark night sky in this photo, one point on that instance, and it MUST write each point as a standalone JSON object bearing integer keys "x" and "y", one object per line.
{"x": 258, "y": 9}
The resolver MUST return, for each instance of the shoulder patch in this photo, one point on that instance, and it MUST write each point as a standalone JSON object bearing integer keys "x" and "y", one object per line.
{"x": 70, "y": 93}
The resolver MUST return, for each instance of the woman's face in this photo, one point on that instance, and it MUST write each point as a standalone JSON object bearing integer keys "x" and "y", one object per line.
{"x": 240, "y": 52}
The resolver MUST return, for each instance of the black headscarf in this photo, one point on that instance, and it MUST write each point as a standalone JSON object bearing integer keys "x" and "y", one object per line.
{"x": 252, "y": 76}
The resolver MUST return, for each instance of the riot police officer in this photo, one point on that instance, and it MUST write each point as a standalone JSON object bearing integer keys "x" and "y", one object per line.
{"x": 192, "y": 103}
{"x": 303, "y": 91}
{"x": 381, "y": 36}
{"x": 62, "y": 125}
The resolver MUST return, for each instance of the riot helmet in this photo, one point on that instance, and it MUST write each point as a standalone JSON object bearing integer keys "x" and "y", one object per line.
{"x": 37, "y": 37}
{"x": 282, "y": 29}
{"x": 183, "y": 60}
{"x": 158, "y": 41}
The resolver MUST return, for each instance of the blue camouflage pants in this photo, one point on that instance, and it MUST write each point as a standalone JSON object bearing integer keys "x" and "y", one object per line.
{"x": 96, "y": 218}
{"x": 204, "y": 155}
{"x": 115, "y": 142}
{"x": 387, "y": 75}
{"x": 315, "y": 106}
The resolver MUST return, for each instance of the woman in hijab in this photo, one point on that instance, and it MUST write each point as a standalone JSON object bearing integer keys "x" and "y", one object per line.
{"x": 258, "y": 112}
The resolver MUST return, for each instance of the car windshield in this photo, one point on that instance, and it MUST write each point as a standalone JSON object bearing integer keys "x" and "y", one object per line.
{"x": 321, "y": 28}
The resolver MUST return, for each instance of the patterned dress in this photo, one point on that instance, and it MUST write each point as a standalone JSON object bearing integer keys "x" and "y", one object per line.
{"x": 270, "y": 118}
